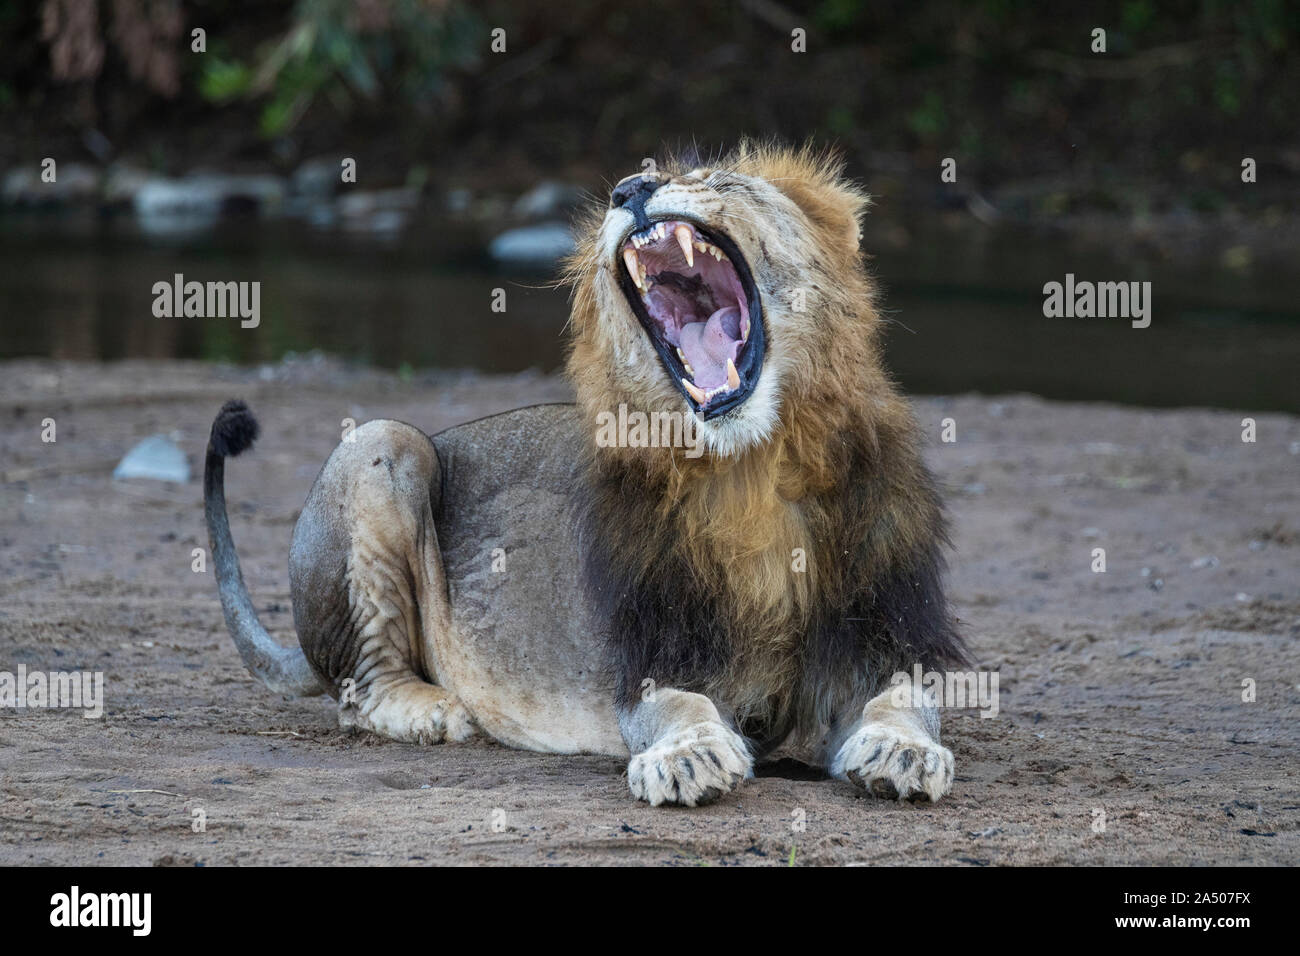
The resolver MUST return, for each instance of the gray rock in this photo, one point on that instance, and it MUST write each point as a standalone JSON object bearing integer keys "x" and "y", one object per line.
{"x": 364, "y": 202}
{"x": 548, "y": 200}
{"x": 177, "y": 197}
{"x": 201, "y": 198}
{"x": 459, "y": 201}
{"x": 74, "y": 182}
{"x": 157, "y": 457}
{"x": 317, "y": 178}
{"x": 166, "y": 207}
{"x": 534, "y": 246}
{"x": 379, "y": 210}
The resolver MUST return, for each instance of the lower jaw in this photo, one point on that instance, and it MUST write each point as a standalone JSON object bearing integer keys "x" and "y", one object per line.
{"x": 725, "y": 404}
{"x": 721, "y": 403}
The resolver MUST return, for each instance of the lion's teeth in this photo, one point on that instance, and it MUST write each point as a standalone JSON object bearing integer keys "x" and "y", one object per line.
{"x": 695, "y": 393}
{"x": 683, "y": 234}
{"x": 733, "y": 377}
{"x": 633, "y": 266}
{"x": 685, "y": 364}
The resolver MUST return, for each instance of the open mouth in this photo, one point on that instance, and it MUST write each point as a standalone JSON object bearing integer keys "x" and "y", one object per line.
{"x": 693, "y": 293}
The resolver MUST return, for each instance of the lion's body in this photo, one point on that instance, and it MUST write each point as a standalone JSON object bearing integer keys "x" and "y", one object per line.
{"x": 474, "y": 567}
{"x": 515, "y": 577}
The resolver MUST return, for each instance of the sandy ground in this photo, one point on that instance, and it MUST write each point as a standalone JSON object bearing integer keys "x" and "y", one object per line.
{"x": 1121, "y": 693}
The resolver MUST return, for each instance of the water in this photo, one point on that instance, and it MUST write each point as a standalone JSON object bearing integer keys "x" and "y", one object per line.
{"x": 964, "y": 309}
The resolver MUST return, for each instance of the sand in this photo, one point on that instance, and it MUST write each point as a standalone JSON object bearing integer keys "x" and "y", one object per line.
{"x": 1122, "y": 735}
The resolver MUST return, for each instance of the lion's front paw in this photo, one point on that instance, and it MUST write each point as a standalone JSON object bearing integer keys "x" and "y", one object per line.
{"x": 894, "y": 762}
{"x": 692, "y": 767}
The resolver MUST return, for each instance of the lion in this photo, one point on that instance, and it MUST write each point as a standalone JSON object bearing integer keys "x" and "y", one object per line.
{"x": 693, "y": 613}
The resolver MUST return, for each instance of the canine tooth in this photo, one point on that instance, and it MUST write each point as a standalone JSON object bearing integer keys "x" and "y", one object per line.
{"x": 683, "y": 234}
{"x": 694, "y": 392}
{"x": 633, "y": 266}
{"x": 733, "y": 377}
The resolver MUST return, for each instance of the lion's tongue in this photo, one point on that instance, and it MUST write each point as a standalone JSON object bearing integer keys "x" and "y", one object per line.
{"x": 707, "y": 346}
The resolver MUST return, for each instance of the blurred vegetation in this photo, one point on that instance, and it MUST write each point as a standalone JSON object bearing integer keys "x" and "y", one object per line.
{"x": 350, "y": 53}
{"x": 1009, "y": 85}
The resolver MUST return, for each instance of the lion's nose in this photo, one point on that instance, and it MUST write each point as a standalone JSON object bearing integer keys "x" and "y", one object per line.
{"x": 632, "y": 194}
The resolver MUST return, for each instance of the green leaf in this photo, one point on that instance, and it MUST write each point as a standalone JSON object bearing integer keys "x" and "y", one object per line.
{"x": 223, "y": 80}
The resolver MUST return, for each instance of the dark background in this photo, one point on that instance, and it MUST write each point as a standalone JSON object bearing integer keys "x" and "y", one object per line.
{"x": 1122, "y": 166}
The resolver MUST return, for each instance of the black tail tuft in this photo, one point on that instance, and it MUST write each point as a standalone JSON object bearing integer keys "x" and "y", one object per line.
{"x": 233, "y": 430}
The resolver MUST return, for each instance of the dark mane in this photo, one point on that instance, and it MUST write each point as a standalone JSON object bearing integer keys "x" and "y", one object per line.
{"x": 877, "y": 606}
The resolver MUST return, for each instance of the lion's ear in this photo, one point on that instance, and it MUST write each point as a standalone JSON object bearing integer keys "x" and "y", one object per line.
{"x": 815, "y": 183}
{"x": 833, "y": 206}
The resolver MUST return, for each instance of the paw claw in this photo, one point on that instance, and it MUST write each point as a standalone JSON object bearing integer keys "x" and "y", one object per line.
{"x": 895, "y": 763}
{"x": 691, "y": 768}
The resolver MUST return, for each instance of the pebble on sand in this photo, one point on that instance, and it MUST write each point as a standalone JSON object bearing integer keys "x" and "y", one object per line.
{"x": 157, "y": 457}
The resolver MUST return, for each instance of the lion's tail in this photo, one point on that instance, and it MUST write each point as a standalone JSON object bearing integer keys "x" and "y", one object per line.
{"x": 283, "y": 670}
